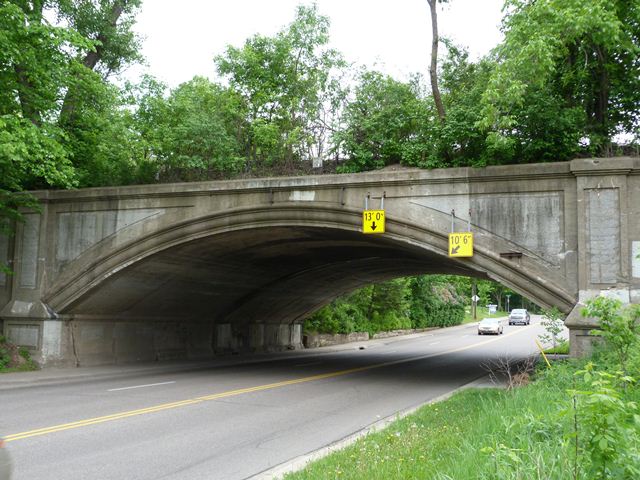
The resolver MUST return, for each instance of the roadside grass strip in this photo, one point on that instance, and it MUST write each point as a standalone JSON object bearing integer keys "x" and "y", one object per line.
{"x": 476, "y": 434}
{"x": 232, "y": 393}
{"x": 535, "y": 432}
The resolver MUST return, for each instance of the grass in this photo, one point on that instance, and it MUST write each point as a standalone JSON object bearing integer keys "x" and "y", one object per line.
{"x": 561, "y": 349}
{"x": 25, "y": 367}
{"x": 481, "y": 313}
{"x": 476, "y": 434}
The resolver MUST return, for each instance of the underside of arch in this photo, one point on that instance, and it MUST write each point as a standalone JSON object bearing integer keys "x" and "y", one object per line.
{"x": 266, "y": 267}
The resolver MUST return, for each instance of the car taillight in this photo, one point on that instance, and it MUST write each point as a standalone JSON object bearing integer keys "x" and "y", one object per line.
{"x": 1, "y": 443}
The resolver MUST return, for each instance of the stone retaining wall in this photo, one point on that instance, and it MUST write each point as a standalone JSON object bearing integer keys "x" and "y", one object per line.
{"x": 315, "y": 340}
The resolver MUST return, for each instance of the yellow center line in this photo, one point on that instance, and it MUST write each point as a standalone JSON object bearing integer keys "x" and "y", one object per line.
{"x": 233, "y": 393}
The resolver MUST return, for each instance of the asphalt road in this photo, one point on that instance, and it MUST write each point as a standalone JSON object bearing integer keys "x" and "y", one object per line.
{"x": 233, "y": 421}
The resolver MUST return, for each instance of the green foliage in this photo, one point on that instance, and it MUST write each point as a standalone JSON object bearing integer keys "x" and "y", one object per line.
{"x": 403, "y": 303}
{"x": 611, "y": 437}
{"x": 384, "y": 124}
{"x": 287, "y": 82}
{"x": 14, "y": 359}
{"x": 553, "y": 323}
{"x": 561, "y": 348}
{"x": 566, "y": 69}
{"x": 196, "y": 133}
{"x": 5, "y": 356}
{"x": 435, "y": 303}
{"x": 618, "y": 327}
{"x": 60, "y": 121}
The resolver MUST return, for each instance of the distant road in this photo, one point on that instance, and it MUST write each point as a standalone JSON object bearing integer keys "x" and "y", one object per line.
{"x": 235, "y": 421}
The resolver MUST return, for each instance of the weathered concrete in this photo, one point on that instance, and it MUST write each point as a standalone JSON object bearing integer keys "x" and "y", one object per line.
{"x": 189, "y": 270}
{"x": 315, "y": 340}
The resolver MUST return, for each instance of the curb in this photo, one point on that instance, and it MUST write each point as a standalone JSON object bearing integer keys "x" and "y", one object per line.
{"x": 298, "y": 463}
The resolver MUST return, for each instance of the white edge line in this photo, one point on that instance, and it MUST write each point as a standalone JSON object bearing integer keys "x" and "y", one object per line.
{"x": 302, "y": 461}
{"x": 139, "y": 386}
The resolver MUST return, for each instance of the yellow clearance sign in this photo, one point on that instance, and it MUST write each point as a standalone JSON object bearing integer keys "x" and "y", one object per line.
{"x": 461, "y": 244}
{"x": 373, "y": 221}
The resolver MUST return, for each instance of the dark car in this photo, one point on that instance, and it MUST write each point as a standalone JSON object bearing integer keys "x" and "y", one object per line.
{"x": 520, "y": 316}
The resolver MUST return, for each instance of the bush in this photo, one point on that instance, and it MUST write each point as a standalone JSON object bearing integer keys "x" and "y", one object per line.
{"x": 404, "y": 303}
{"x": 13, "y": 358}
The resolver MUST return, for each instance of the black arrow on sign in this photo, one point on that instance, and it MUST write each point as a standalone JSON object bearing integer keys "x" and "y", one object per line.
{"x": 373, "y": 226}
{"x": 454, "y": 250}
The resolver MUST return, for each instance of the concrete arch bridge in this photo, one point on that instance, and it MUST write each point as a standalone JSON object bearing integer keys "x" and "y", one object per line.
{"x": 187, "y": 270}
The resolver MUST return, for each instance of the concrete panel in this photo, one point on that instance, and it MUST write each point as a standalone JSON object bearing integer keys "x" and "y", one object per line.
{"x": 133, "y": 342}
{"x": 530, "y": 219}
{"x": 30, "y": 242}
{"x": 23, "y": 334}
{"x": 170, "y": 341}
{"x": 79, "y": 231}
{"x": 302, "y": 196}
{"x": 603, "y": 235}
{"x": 296, "y": 336}
{"x": 282, "y": 336}
{"x": 93, "y": 342}
{"x": 256, "y": 336}
{"x": 54, "y": 337}
{"x": 200, "y": 340}
{"x": 533, "y": 220}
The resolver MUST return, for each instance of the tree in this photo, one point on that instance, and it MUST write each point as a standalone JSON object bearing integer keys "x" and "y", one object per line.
{"x": 433, "y": 68}
{"x": 55, "y": 57}
{"x": 197, "y": 133}
{"x": 553, "y": 323}
{"x": 385, "y": 123}
{"x": 285, "y": 80}
{"x": 579, "y": 58}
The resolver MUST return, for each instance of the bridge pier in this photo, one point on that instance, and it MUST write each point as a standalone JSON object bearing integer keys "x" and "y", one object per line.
{"x": 608, "y": 233}
{"x": 81, "y": 342}
{"x": 258, "y": 337}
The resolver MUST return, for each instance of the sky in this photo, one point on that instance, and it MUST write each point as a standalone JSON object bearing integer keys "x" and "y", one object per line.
{"x": 180, "y": 39}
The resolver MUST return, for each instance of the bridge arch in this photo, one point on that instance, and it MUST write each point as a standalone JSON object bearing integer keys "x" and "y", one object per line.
{"x": 272, "y": 263}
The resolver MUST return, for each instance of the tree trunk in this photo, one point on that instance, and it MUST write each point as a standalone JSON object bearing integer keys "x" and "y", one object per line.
{"x": 90, "y": 61}
{"x": 601, "y": 103}
{"x": 433, "y": 69}
{"x": 28, "y": 103}
{"x": 25, "y": 95}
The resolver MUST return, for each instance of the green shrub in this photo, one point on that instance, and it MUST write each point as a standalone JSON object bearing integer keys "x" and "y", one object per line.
{"x": 404, "y": 303}
{"x": 5, "y": 356}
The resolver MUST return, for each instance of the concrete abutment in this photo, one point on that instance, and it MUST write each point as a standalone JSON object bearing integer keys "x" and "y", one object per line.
{"x": 77, "y": 342}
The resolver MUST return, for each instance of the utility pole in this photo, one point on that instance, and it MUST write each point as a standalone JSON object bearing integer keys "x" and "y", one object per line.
{"x": 473, "y": 300}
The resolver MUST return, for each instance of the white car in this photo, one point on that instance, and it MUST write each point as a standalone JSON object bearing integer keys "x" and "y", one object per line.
{"x": 519, "y": 315}
{"x": 490, "y": 326}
